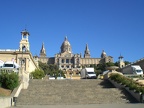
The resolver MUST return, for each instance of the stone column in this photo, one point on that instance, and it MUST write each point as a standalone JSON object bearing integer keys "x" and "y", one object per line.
{"x": 27, "y": 63}
{"x": 70, "y": 66}
{"x": 25, "y": 78}
{"x": 59, "y": 60}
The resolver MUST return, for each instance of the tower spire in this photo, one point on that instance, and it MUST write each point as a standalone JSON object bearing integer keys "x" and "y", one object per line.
{"x": 65, "y": 38}
{"x": 87, "y": 52}
{"x": 43, "y": 51}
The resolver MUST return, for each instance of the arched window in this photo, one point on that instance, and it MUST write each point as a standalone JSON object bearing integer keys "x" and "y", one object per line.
{"x": 24, "y": 49}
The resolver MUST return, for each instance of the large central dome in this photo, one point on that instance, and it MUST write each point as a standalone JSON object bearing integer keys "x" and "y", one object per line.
{"x": 66, "y": 47}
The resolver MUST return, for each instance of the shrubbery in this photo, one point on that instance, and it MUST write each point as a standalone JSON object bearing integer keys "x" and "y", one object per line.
{"x": 9, "y": 80}
{"x": 52, "y": 70}
{"x": 133, "y": 85}
{"x": 38, "y": 74}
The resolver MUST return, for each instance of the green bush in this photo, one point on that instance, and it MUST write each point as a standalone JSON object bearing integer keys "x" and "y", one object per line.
{"x": 123, "y": 80}
{"x": 2, "y": 78}
{"x": 38, "y": 74}
{"x": 127, "y": 83}
{"x": 137, "y": 89}
{"x": 12, "y": 81}
{"x": 116, "y": 77}
{"x": 9, "y": 80}
{"x": 142, "y": 90}
{"x": 133, "y": 85}
{"x": 1, "y": 81}
{"x": 119, "y": 79}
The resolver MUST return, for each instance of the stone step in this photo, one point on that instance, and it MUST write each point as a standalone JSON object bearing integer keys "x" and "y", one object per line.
{"x": 63, "y": 92}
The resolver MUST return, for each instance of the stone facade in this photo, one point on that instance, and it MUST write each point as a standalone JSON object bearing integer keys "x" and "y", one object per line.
{"x": 66, "y": 60}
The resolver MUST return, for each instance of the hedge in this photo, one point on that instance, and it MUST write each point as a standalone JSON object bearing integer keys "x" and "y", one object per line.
{"x": 133, "y": 85}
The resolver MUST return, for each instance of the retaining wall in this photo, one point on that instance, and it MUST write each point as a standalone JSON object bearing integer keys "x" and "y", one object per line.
{"x": 10, "y": 100}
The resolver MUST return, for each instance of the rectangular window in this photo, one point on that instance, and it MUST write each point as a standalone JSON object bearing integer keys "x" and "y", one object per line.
{"x": 72, "y": 61}
{"x": 67, "y": 60}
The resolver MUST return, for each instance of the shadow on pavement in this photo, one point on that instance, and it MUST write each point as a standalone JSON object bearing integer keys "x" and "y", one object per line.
{"x": 107, "y": 84}
{"x": 127, "y": 95}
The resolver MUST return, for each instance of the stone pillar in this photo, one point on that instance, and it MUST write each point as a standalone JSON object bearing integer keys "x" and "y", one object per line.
{"x": 25, "y": 78}
{"x": 69, "y": 66}
{"x": 64, "y": 66}
{"x": 27, "y": 63}
{"x": 59, "y": 60}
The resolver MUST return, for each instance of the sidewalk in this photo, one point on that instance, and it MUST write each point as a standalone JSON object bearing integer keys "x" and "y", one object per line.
{"x": 84, "y": 106}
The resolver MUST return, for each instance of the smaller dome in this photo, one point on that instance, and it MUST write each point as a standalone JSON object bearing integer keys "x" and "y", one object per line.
{"x": 103, "y": 55}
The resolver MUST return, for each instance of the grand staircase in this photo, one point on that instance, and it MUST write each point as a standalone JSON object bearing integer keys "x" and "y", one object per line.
{"x": 72, "y": 92}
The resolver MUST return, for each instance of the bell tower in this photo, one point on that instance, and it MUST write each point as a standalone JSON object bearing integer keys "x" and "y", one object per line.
{"x": 24, "y": 43}
{"x": 121, "y": 62}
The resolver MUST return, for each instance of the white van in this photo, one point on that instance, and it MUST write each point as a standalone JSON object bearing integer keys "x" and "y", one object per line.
{"x": 132, "y": 69}
{"x": 88, "y": 73}
{"x": 11, "y": 65}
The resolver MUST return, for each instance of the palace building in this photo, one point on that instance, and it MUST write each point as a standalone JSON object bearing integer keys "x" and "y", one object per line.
{"x": 66, "y": 60}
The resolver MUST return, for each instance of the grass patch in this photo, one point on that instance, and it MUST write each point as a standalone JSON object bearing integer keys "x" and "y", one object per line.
{"x": 5, "y": 92}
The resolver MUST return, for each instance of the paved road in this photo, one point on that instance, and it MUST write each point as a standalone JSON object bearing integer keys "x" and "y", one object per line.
{"x": 84, "y": 106}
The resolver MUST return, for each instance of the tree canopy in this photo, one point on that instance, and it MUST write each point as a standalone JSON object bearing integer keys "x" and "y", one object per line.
{"x": 51, "y": 69}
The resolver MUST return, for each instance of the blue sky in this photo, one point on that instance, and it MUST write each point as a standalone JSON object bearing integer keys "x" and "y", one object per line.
{"x": 116, "y": 26}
